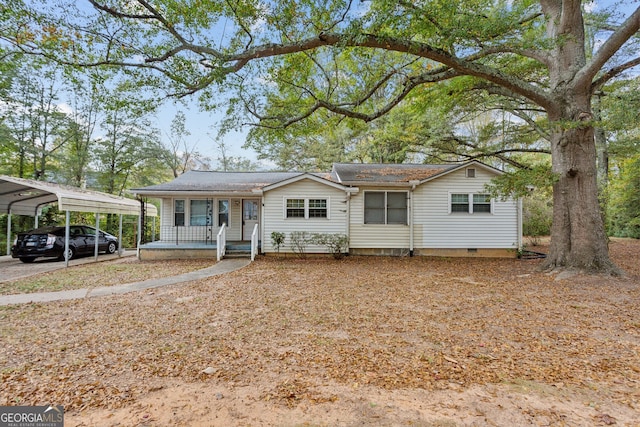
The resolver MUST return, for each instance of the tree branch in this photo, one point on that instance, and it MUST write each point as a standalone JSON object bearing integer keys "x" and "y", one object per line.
{"x": 608, "y": 49}
{"x": 614, "y": 72}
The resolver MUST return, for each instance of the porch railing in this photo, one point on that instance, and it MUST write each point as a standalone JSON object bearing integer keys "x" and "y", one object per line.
{"x": 254, "y": 242}
{"x": 193, "y": 234}
{"x": 221, "y": 244}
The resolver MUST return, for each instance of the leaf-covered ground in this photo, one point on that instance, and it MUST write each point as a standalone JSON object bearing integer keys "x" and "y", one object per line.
{"x": 117, "y": 272}
{"x": 358, "y": 341}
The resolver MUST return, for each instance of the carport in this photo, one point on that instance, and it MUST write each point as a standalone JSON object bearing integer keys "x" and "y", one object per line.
{"x": 19, "y": 196}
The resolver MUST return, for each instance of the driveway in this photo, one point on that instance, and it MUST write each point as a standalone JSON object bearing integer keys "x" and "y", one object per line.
{"x": 13, "y": 268}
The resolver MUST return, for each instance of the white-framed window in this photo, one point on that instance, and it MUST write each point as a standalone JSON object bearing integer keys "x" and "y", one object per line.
{"x": 306, "y": 208}
{"x": 178, "y": 213}
{"x": 317, "y": 208}
{"x": 223, "y": 212}
{"x": 460, "y": 203}
{"x": 471, "y": 172}
{"x": 470, "y": 203}
{"x": 386, "y": 207}
{"x": 481, "y": 203}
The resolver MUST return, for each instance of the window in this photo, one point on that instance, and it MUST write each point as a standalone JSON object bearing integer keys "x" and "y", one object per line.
{"x": 471, "y": 203}
{"x": 178, "y": 213}
{"x": 223, "y": 212}
{"x": 471, "y": 173}
{"x": 317, "y": 208}
{"x": 295, "y": 208}
{"x": 374, "y": 208}
{"x": 482, "y": 203}
{"x": 385, "y": 207}
{"x": 397, "y": 208}
{"x": 460, "y": 203}
{"x": 307, "y": 208}
{"x": 199, "y": 213}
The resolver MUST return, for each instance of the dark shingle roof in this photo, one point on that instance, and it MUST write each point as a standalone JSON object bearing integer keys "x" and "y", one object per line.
{"x": 219, "y": 181}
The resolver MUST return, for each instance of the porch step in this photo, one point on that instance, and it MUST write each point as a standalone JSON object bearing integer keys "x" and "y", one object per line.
{"x": 237, "y": 255}
{"x": 238, "y": 251}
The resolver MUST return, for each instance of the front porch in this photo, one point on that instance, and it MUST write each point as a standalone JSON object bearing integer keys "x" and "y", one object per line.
{"x": 162, "y": 250}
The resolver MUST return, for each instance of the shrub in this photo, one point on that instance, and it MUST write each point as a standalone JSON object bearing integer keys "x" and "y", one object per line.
{"x": 299, "y": 242}
{"x": 277, "y": 239}
{"x": 337, "y": 244}
{"x": 537, "y": 216}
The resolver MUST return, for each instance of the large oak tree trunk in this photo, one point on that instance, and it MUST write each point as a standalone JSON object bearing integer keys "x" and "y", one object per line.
{"x": 578, "y": 238}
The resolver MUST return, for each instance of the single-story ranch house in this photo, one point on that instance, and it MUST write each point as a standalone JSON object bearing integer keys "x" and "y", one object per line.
{"x": 383, "y": 209}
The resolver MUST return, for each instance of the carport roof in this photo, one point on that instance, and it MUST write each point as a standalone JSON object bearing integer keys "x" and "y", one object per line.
{"x": 25, "y": 196}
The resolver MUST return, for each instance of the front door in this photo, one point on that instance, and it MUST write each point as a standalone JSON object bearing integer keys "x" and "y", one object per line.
{"x": 250, "y": 215}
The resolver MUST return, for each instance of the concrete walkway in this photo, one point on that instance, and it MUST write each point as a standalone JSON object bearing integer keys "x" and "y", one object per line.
{"x": 224, "y": 266}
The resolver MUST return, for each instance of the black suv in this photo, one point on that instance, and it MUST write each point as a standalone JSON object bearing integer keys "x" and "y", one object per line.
{"x": 49, "y": 242}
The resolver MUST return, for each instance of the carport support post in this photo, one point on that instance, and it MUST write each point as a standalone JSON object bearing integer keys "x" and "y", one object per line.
{"x": 66, "y": 239}
{"x": 120, "y": 238}
{"x": 97, "y": 238}
{"x": 139, "y": 236}
{"x": 9, "y": 233}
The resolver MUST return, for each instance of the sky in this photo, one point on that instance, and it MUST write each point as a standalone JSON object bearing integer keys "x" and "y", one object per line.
{"x": 203, "y": 128}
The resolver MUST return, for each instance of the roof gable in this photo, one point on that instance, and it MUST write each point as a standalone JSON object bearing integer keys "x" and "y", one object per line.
{"x": 460, "y": 167}
{"x": 324, "y": 179}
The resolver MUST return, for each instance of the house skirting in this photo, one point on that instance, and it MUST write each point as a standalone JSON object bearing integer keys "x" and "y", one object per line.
{"x": 176, "y": 253}
{"x": 440, "y": 252}
{"x": 469, "y": 253}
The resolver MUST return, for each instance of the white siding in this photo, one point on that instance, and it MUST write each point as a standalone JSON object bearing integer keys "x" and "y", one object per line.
{"x": 435, "y": 227}
{"x": 374, "y": 235}
{"x": 234, "y": 232}
{"x": 274, "y": 213}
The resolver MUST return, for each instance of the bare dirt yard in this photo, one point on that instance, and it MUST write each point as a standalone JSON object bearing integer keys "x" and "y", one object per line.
{"x": 362, "y": 341}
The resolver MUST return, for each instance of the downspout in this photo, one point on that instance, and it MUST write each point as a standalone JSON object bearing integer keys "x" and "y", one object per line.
{"x": 414, "y": 184}
{"x": 348, "y": 230}
{"x": 519, "y": 214}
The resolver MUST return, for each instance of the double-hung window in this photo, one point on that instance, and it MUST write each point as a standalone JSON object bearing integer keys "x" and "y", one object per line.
{"x": 470, "y": 203}
{"x": 307, "y": 208}
{"x": 482, "y": 203}
{"x": 317, "y": 208}
{"x": 385, "y": 207}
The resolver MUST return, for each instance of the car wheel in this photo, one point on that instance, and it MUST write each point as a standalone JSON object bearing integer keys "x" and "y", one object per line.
{"x": 112, "y": 247}
{"x": 72, "y": 253}
{"x": 27, "y": 260}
